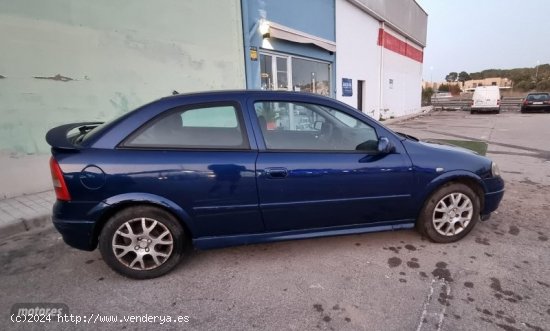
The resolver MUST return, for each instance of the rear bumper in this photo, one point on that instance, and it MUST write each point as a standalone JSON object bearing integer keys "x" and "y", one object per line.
{"x": 535, "y": 108}
{"x": 482, "y": 109}
{"x": 77, "y": 233}
{"x": 76, "y": 222}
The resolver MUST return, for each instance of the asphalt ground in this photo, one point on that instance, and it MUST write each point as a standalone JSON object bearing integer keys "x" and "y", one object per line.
{"x": 497, "y": 278}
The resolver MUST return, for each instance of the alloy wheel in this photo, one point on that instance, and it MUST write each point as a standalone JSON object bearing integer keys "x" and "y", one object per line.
{"x": 142, "y": 243}
{"x": 452, "y": 214}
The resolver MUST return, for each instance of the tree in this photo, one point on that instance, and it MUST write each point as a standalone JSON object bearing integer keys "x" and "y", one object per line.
{"x": 524, "y": 86}
{"x": 524, "y": 79}
{"x": 451, "y": 77}
{"x": 543, "y": 85}
{"x": 454, "y": 89}
{"x": 443, "y": 88}
{"x": 463, "y": 76}
{"x": 476, "y": 75}
{"x": 427, "y": 95}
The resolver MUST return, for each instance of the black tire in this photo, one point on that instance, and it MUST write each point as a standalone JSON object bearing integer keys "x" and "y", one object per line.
{"x": 472, "y": 111}
{"x": 425, "y": 223}
{"x": 148, "y": 268}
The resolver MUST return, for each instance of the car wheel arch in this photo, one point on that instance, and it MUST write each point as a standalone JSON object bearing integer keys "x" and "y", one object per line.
{"x": 121, "y": 205}
{"x": 469, "y": 179}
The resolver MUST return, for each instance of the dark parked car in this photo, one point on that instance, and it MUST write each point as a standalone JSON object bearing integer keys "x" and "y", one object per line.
{"x": 217, "y": 169}
{"x": 536, "y": 102}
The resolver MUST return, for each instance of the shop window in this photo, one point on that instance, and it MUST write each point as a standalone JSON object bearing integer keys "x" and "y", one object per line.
{"x": 281, "y": 72}
{"x": 311, "y": 76}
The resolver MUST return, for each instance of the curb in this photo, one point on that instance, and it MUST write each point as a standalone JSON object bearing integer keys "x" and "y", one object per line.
{"x": 21, "y": 225}
{"x": 407, "y": 117}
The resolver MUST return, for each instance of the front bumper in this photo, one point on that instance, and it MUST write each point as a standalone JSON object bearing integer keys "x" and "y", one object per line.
{"x": 492, "y": 201}
{"x": 493, "y": 196}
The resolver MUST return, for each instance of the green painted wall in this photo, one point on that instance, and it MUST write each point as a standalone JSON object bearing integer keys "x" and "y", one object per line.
{"x": 111, "y": 56}
{"x": 76, "y": 60}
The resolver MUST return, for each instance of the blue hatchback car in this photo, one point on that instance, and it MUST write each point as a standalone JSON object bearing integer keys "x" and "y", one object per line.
{"x": 216, "y": 169}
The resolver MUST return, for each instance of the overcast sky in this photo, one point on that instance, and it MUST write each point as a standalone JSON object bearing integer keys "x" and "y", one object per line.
{"x": 473, "y": 35}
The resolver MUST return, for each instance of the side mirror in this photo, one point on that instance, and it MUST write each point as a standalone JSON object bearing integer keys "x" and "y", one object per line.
{"x": 385, "y": 146}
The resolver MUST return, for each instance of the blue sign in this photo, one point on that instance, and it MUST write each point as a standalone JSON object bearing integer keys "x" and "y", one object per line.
{"x": 347, "y": 87}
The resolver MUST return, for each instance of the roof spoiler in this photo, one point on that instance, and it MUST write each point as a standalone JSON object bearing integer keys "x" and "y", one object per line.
{"x": 58, "y": 137}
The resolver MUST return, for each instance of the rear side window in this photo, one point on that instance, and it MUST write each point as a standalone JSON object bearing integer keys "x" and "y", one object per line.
{"x": 204, "y": 127}
{"x": 214, "y": 117}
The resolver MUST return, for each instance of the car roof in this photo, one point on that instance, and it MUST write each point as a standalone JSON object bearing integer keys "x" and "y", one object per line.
{"x": 235, "y": 93}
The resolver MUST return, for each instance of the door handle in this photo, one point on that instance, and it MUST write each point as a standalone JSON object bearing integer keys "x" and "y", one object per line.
{"x": 276, "y": 173}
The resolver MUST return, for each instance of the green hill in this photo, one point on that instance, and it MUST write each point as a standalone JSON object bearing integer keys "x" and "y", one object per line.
{"x": 525, "y": 79}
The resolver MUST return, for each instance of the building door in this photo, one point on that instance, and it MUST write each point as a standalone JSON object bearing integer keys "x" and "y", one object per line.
{"x": 360, "y": 84}
{"x": 274, "y": 72}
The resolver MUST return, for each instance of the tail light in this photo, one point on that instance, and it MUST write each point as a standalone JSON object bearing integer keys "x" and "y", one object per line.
{"x": 525, "y": 102}
{"x": 547, "y": 102}
{"x": 61, "y": 190}
{"x": 471, "y": 103}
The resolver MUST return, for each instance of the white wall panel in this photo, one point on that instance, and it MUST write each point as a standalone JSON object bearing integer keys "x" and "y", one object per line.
{"x": 357, "y": 55}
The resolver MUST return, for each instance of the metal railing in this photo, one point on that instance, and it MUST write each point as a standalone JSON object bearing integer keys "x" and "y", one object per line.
{"x": 461, "y": 103}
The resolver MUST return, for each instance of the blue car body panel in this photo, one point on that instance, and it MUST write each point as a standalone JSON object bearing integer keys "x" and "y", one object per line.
{"x": 254, "y": 195}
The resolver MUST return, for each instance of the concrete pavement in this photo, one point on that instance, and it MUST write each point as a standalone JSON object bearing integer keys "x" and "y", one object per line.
{"x": 25, "y": 212}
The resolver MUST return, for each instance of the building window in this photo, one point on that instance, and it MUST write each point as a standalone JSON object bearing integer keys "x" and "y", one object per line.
{"x": 290, "y": 73}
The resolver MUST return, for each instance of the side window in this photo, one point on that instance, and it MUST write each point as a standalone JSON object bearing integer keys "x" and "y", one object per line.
{"x": 201, "y": 127}
{"x": 304, "y": 126}
{"x": 214, "y": 117}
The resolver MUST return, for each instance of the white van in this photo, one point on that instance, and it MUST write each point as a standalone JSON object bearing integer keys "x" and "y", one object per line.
{"x": 486, "y": 99}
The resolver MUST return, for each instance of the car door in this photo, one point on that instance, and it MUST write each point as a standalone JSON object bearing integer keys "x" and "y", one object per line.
{"x": 200, "y": 157}
{"x": 318, "y": 166}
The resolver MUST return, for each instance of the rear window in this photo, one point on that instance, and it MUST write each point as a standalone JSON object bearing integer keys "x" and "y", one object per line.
{"x": 538, "y": 97}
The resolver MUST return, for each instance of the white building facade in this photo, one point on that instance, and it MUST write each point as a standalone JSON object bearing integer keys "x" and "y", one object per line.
{"x": 380, "y": 47}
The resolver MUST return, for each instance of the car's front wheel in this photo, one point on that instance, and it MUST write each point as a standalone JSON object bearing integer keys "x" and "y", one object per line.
{"x": 450, "y": 213}
{"x": 142, "y": 242}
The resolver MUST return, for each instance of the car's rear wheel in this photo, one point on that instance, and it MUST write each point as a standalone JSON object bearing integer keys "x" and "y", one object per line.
{"x": 450, "y": 213}
{"x": 142, "y": 242}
